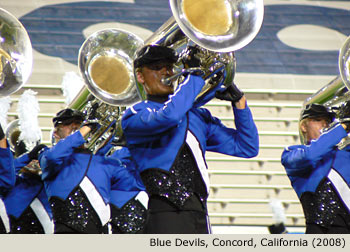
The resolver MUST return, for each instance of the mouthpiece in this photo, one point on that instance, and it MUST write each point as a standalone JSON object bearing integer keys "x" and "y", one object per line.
{"x": 169, "y": 81}
{"x": 166, "y": 81}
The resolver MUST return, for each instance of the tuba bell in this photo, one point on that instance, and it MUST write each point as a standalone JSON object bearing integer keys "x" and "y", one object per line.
{"x": 18, "y": 146}
{"x": 105, "y": 63}
{"x": 214, "y": 28}
{"x": 337, "y": 92}
{"x": 16, "y": 56}
{"x": 12, "y": 133}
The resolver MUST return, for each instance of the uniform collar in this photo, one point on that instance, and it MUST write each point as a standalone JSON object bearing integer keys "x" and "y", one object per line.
{"x": 158, "y": 98}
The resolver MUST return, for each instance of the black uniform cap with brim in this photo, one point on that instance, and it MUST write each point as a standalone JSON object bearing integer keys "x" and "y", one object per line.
{"x": 317, "y": 111}
{"x": 68, "y": 116}
{"x": 151, "y": 54}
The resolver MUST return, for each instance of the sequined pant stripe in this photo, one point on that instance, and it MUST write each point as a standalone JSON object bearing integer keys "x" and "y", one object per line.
{"x": 4, "y": 217}
{"x": 142, "y": 197}
{"x": 42, "y": 216}
{"x": 341, "y": 186}
{"x": 192, "y": 142}
{"x": 102, "y": 209}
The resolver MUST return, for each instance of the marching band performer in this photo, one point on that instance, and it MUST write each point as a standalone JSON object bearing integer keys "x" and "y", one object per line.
{"x": 7, "y": 179}
{"x": 319, "y": 172}
{"x": 167, "y": 135}
{"x": 77, "y": 182}
{"x": 27, "y": 204}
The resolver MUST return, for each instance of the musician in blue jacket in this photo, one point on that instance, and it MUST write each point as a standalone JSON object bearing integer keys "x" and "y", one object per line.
{"x": 77, "y": 182}
{"x": 27, "y": 204}
{"x": 319, "y": 171}
{"x": 167, "y": 135}
{"x": 7, "y": 179}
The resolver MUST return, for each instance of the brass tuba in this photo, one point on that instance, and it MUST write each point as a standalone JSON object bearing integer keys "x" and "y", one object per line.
{"x": 16, "y": 56}
{"x": 13, "y": 133}
{"x": 334, "y": 94}
{"x": 106, "y": 66}
{"x": 19, "y": 147}
{"x": 337, "y": 90}
{"x": 106, "y": 57}
{"x": 216, "y": 28}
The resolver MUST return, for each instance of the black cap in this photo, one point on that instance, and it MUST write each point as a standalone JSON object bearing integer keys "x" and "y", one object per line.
{"x": 317, "y": 111}
{"x": 68, "y": 116}
{"x": 150, "y": 54}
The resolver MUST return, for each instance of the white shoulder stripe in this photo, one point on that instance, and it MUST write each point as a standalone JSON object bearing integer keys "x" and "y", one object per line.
{"x": 143, "y": 198}
{"x": 102, "y": 209}
{"x": 4, "y": 217}
{"x": 133, "y": 110}
{"x": 341, "y": 186}
{"x": 192, "y": 142}
{"x": 43, "y": 216}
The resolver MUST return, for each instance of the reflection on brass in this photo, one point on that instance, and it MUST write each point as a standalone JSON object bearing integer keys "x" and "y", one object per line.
{"x": 4, "y": 58}
{"x": 110, "y": 74}
{"x": 211, "y": 17}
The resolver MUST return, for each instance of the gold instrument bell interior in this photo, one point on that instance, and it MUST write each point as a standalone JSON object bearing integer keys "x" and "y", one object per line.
{"x": 106, "y": 71}
{"x": 214, "y": 23}
{"x": 16, "y": 56}
{"x": 219, "y": 25}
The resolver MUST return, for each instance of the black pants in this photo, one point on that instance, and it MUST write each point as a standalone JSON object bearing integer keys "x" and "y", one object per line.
{"x": 165, "y": 218}
{"x": 316, "y": 229}
{"x": 61, "y": 228}
{"x": 340, "y": 226}
{"x": 2, "y": 227}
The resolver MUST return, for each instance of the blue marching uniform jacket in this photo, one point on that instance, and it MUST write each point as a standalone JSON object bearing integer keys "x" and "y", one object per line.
{"x": 7, "y": 181}
{"x": 73, "y": 174}
{"x": 129, "y": 208}
{"x": 156, "y": 131}
{"x": 7, "y": 171}
{"x": 27, "y": 204}
{"x": 320, "y": 171}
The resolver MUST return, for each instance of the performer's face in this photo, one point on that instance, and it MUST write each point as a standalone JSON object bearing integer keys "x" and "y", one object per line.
{"x": 151, "y": 78}
{"x": 62, "y": 131}
{"x": 312, "y": 128}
